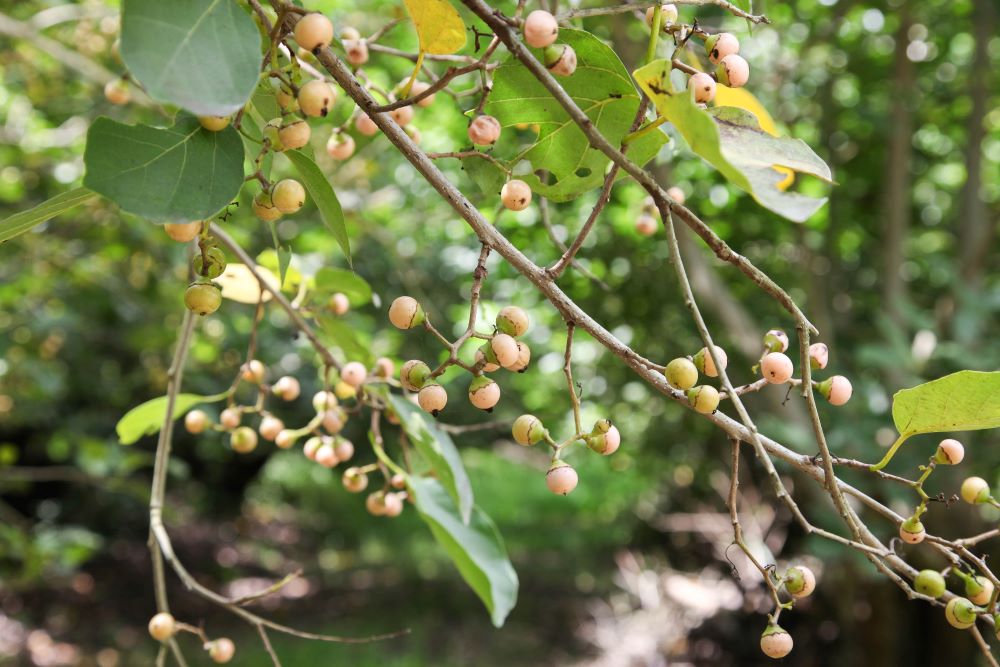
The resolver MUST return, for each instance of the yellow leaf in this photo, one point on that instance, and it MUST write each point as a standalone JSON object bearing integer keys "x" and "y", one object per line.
{"x": 439, "y": 26}
{"x": 744, "y": 99}
{"x": 240, "y": 285}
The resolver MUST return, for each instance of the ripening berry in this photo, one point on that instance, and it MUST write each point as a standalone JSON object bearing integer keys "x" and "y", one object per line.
{"x": 704, "y": 363}
{"x": 286, "y": 388}
{"x": 523, "y": 358}
{"x": 196, "y": 421}
{"x": 349, "y": 32}
{"x": 398, "y": 481}
{"x": 949, "y": 452}
{"x": 354, "y": 480}
{"x": 356, "y": 51}
{"x": 527, "y": 430}
{"x": 182, "y": 232}
{"x": 979, "y": 590}
{"x": 484, "y": 130}
{"x": 961, "y": 613}
{"x": 221, "y": 650}
{"x": 316, "y": 98}
{"x": 912, "y": 531}
{"x": 230, "y": 418}
{"x": 677, "y": 195}
{"x": 243, "y": 440}
{"x": 704, "y": 399}
{"x": 836, "y": 389}
{"x": 733, "y": 71}
{"x": 270, "y": 134}
{"x": 561, "y": 478}
{"x": 311, "y": 447}
{"x": 681, "y": 373}
{"x": 285, "y": 439}
{"x": 776, "y": 367}
{"x": 483, "y": 360}
{"x": 515, "y": 195}
{"x": 402, "y": 115}
{"x": 365, "y": 125}
{"x": 313, "y": 31}
{"x": 326, "y": 455}
{"x": 703, "y": 86}
{"x": 605, "y": 438}
{"x": 294, "y": 135}
{"x": 117, "y": 92}
{"x": 344, "y": 391}
{"x": 540, "y": 29}
{"x": 209, "y": 263}
{"x": 484, "y": 393}
{"x": 721, "y": 45}
{"x": 800, "y": 581}
{"x": 392, "y": 504}
{"x": 775, "y": 642}
{"x": 384, "y": 367}
{"x": 505, "y": 349}
{"x": 668, "y": 15}
{"x": 432, "y": 398}
{"x": 340, "y": 146}
{"x": 344, "y": 449}
{"x": 775, "y": 340}
{"x": 354, "y": 373}
{"x": 162, "y": 626}
{"x": 406, "y": 313}
{"x": 264, "y": 208}
{"x": 203, "y": 298}
{"x": 339, "y": 303}
{"x": 283, "y": 96}
{"x": 323, "y": 400}
{"x": 375, "y": 503}
{"x": 417, "y": 89}
{"x": 560, "y": 59}
{"x": 646, "y": 224}
{"x": 930, "y": 583}
{"x": 334, "y": 420}
{"x": 513, "y": 321}
{"x": 819, "y": 355}
{"x": 214, "y": 123}
{"x": 270, "y": 427}
{"x": 414, "y": 374}
{"x": 253, "y": 371}
{"x": 975, "y": 490}
{"x": 288, "y": 195}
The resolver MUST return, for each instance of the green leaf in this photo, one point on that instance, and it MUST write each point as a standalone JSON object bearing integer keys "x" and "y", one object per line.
{"x": 330, "y": 280}
{"x": 474, "y": 545}
{"x": 437, "y": 448}
{"x": 962, "y": 401}
{"x": 201, "y": 55}
{"x": 338, "y": 333}
{"x": 732, "y": 141}
{"x": 485, "y": 173}
{"x": 19, "y": 223}
{"x": 180, "y": 173}
{"x": 322, "y": 193}
{"x": 146, "y": 419}
{"x": 601, "y": 87}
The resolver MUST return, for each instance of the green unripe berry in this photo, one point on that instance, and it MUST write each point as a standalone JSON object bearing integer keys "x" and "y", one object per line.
{"x": 930, "y": 583}
{"x": 800, "y": 581}
{"x": 215, "y": 265}
{"x": 704, "y": 399}
{"x": 528, "y": 430}
{"x": 681, "y": 373}
{"x": 203, "y": 298}
{"x": 560, "y": 59}
{"x": 414, "y": 374}
{"x": 975, "y": 491}
{"x": 961, "y": 613}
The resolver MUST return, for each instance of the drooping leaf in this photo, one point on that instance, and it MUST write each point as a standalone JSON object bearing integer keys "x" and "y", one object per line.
{"x": 744, "y": 99}
{"x": 337, "y": 333}
{"x": 357, "y": 290}
{"x": 202, "y": 55}
{"x": 19, "y": 223}
{"x": 322, "y": 194}
{"x": 474, "y": 545}
{"x": 437, "y": 448}
{"x": 146, "y": 419}
{"x": 962, "y": 401}
{"x": 732, "y": 141}
{"x": 182, "y": 173}
{"x": 240, "y": 285}
{"x": 439, "y": 27}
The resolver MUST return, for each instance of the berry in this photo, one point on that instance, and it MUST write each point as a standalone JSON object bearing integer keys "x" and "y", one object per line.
{"x": 196, "y": 421}
{"x": 230, "y": 418}
{"x": 117, "y": 92}
{"x": 800, "y": 581}
{"x": 286, "y": 388}
{"x": 340, "y": 146}
{"x": 681, "y": 373}
{"x": 721, "y": 45}
{"x": 311, "y": 447}
{"x": 253, "y": 371}
{"x": 344, "y": 449}
{"x": 182, "y": 232}
{"x": 979, "y": 590}
{"x": 316, "y": 98}
{"x": 203, "y": 298}
{"x": 264, "y": 208}
{"x": 334, "y": 420}
{"x": 775, "y": 642}
{"x": 677, "y": 195}
{"x": 704, "y": 363}
{"x": 668, "y": 15}
{"x": 961, "y": 613}
{"x": 221, "y": 650}
{"x": 733, "y": 71}
{"x": 949, "y": 452}
{"x": 354, "y": 480}
{"x": 523, "y": 358}
{"x": 528, "y": 430}
{"x": 704, "y": 398}
{"x": 604, "y": 438}
{"x": 354, "y": 374}
{"x": 703, "y": 86}
{"x": 406, "y": 313}
{"x": 392, "y": 505}
{"x": 483, "y": 360}
{"x": 326, "y": 455}
{"x": 375, "y": 503}
{"x": 349, "y": 32}
{"x": 513, "y": 321}
{"x": 912, "y": 531}
{"x": 560, "y": 59}
{"x": 270, "y": 427}
{"x": 313, "y": 31}
{"x": 484, "y": 130}
{"x": 356, "y": 51}
{"x": 214, "y": 123}
{"x": 402, "y": 115}
{"x": 432, "y": 398}
{"x": 414, "y": 374}
{"x": 384, "y": 367}
{"x": 243, "y": 440}
{"x": 836, "y": 389}
{"x": 285, "y": 439}
{"x": 365, "y": 125}
{"x": 776, "y": 367}
{"x": 283, "y": 96}
{"x": 775, "y": 340}
{"x": 561, "y": 478}
{"x": 975, "y": 490}
{"x": 930, "y": 583}
{"x": 210, "y": 263}
{"x": 515, "y": 195}
{"x": 344, "y": 391}
{"x": 646, "y": 224}
{"x": 398, "y": 481}
{"x": 418, "y": 88}
{"x": 288, "y": 195}
{"x": 413, "y": 133}
{"x": 162, "y": 626}
{"x": 294, "y": 135}
{"x": 324, "y": 400}
{"x": 540, "y": 29}
{"x": 504, "y": 347}
{"x": 819, "y": 355}
{"x": 339, "y": 303}
{"x": 484, "y": 393}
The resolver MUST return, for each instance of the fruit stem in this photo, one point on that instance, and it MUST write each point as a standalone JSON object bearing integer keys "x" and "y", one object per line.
{"x": 654, "y": 35}
{"x": 405, "y": 92}
{"x": 889, "y": 454}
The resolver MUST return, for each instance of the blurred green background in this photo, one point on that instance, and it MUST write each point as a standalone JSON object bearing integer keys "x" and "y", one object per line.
{"x": 898, "y": 272}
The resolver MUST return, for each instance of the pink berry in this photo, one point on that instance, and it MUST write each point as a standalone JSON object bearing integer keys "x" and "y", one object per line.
{"x": 776, "y": 643}
{"x": 646, "y": 224}
{"x": 344, "y": 449}
{"x": 365, "y": 125}
{"x": 836, "y": 389}
{"x": 354, "y": 374}
{"x": 776, "y": 340}
{"x": 162, "y": 626}
{"x": 354, "y": 480}
{"x": 356, "y": 51}
{"x": 950, "y": 452}
{"x": 326, "y": 455}
{"x": 334, "y": 420}
{"x": 677, "y": 195}
{"x": 230, "y": 418}
{"x": 285, "y": 439}
{"x": 721, "y": 45}
{"x": 733, "y": 71}
{"x": 402, "y": 115}
{"x": 286, "y": 388}
{"x": 221, "y": 650}
{"x": 392, "y": 505}
{"x": 819, "y": 355}
{"x": 703, "y": 86}
{"x": 432, "y": 398}
{"x": 912, "y": 531}
{"x": 523, "y": 358}
{"x": 776, "y": 367}
{"x": 516, "y": 195}
{"x": 561, "y": 478}
{"x": 270, "y": 427}
{"x": 253, "y": 371}
{"x": 800, "y": 581}
{"x": 484, "y": 130}
{"x": 316, "y": 97}
{"x": 418, "y": 88}
{"x": 313, "y": 31}
{"x": 484, "y": 393}
{"x": 311, "y": 447}
{"x": 704, "y": 363}
{"x": 540, "y": 29}
{"x": 405, "y": 313}
{"x": 340, "y": 146}
{"x": 505, "y": 348}
{"x": 339, "y": 303}
{"x": 196, "y": 421}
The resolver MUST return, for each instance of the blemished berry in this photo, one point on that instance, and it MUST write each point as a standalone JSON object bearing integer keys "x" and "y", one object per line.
{"x": 646, "y": 224}
{"x": 294, "y": 135}
{"x": 340, "y": 146}
{"x": 344, "y": 449}
{"x": 528, "y": 430}
{"x": 393, "y": 505}
{"x": 483, "y": 360}
{"x": 230, "y": 418}
{"x": 484, "y": 393}
{"x": 668, "y": 15}
{"x": 912, "y": 531}
{"x": 213, "y": 267}
{"x": 196, "y": 421}
{"x": 561, "y": 478}
{"x": 523, "y": 358}
{"x": 775, "y": 642}
{"x": 405, "y": 312}
{"x": 354, "y": 373}
{"x": 837, "y": 389}
{"x": 677, "y": 195}
{"x": 311, "y": 447}
{"x": 354, "y": 480}
{"x": 288, "y": 195}
{"x": 605, "y": 438}
{"x": 704, "y": 363}
{"x": 344, "y": 391}
{"x": 214, "y": 123}
{"x": 384, "y": 367}
{"x": 418, "y": 88}
{"x": 285, "y": 439}
{"x": 339, "y": 303}
{"x": 356, "y": 51}
{"x": 324, "y": 400}
{"x": 515, "y": 195}
{"x": 398, "y": 481}
{"x": 402, "y": 115}
{"x": 484, "y": 130}
{"x": 414, "y": 374}
{"x": 961, "y": 613}
{"x": 505, "y": 349}
{"x": 776, "y": 367}
{"x": 819, "y": 355}
{"x": 162, "y": 626}
{"x": 975, "y": 491}
{"x": 979, "y": 590}
{"x": 334, "y": 420}
{"x": 313, "y": 31}
{"x": 560, "y": 59}
{"x": 264, "y": 208}
{"x": 704, "y": 399}
{"x": 270, "y": 427}
{"x": 930, "y": 583}
{"x": 286, "y": 388}
{"x": 775, "y": 340}
{"x": 432, "y": 398}
{"x": 681, "y": 373}
{"x": 733, "y": 71}
{"x": 117, "y": 92}
{"x": 703, "y": 86}
{"x": 203, "y": 298}
{"x": 326, "y": 455}
{"x": 949, "y": 452}
{"x": 316, "y": 98}
{"x": 221, "y": 650}
{"x": 513, "y": 321}
{"x": 182, "y": 232}
{"x": 375, "y": 503}
{"x": 721, "y": 45}
{"x": 253, "y": 371}
{"x": 800, "y": 581}
{"x": 540, "y": 29}
{"x": 365, "y": 125}
{"x": 243, "y": 440}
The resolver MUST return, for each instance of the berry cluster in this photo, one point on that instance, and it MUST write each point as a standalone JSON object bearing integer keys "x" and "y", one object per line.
{"x": 561, "y": 478}
{"x": 163, "y": 627}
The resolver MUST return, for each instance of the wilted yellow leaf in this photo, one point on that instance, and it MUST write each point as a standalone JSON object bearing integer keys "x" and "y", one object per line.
{"x": 239, "y": 285}
{"x": 438, "y": 24}
{"x": 744, "y": 99}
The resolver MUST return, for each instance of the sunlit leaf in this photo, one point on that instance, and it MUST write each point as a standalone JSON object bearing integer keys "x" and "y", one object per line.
{"x": 439, "y": 26}
{"x": 147, "y": 419}
{"x": 354, "y": 287}
{"x": 240, "y": 285}
{"x": 744, "y": 99}
{"x": 962, "y": 401}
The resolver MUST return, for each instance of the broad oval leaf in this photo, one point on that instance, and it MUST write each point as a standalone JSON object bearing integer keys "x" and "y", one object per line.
{"x": 322, "y": 194}
{"x": 962, "y": 401}
{"x": 181, "y": 173}
{"x": 19, "y": 223}
{"x": 147, "y": 419}
{"x": 356, "y": 288}
{"x": 744, "y": 99}
{"x": 202, "y": 55}
{"x": 475, "y": 546}
{"x": 439, "y": 27}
